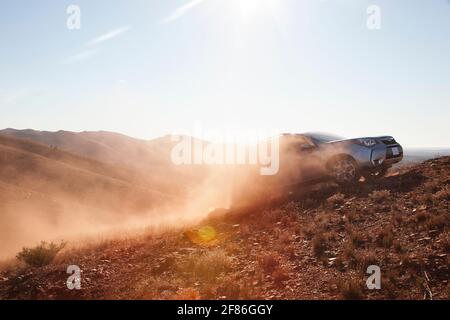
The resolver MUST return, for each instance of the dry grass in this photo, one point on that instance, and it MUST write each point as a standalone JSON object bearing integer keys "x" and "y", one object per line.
{"x": 358, "y": 259}
{"x": 280, "y": 275}
{"x": 230, "y": 289}
{"x": 336, "y": 199}
{"x": 446, "y": 242}
{"x": 365, "y": 259}
{"x": 349, "y": 252}
{"x": 431, "y": 186}
{"x": 352, "y": 216}
{"x": 421, "y": 216}
{"x": 443, "y": 194}
{"x": 397, "y": 246}
{"x": 269, "y": 262}
{"x": 438, "y": 221}
{"x": 397, "y": 218}
{"x": 40, "y": 255}
{"x": 245, "y": 231}
{"x": 357, "y": 238}
{"x": 288, "y": 250}
{"x": 319, "y": 244}
{"x": 187, "y": 294}
{"x": 380, "y": 195}
{"x": 350, "y": 290}
{"x": 285, "y": 238}
{"x": 385, "y": 237}
{"x": 309, "y": 230}
{"x": 207, "y": 266}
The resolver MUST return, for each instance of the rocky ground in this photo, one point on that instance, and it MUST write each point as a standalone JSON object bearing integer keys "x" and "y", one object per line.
{"x": 314, "y": 245}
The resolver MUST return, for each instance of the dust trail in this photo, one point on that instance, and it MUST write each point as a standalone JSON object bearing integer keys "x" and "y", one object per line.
{"x": 47, "y": 203}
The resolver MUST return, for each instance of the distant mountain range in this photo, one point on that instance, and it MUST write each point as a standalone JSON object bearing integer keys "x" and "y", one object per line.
{"x": 109, "y": 147}
{"x": 146, "y": 155}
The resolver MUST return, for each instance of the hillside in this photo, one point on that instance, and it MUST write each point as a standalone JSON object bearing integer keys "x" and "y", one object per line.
{"x": 149, "y": 160}
{"x": 103, "y": 146}
{"x": 315, "y": 245}
{"x": 45, "y": 190}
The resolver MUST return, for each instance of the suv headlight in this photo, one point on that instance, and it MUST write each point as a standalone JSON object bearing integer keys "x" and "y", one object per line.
{"x": 367, "y": 142}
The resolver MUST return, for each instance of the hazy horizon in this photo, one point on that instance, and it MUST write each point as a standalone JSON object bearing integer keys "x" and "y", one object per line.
{"x": 417, "y": 148}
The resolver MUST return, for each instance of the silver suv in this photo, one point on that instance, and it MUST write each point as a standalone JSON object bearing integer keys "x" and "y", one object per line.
{"x": 319, "y": 155}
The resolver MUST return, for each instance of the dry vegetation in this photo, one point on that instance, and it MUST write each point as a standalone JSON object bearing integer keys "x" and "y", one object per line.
{"x": 314, "y": 246}
{"x": 41, "y": 255}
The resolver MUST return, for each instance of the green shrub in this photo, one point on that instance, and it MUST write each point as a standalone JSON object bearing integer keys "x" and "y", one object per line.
{"x": 40, "y": 255}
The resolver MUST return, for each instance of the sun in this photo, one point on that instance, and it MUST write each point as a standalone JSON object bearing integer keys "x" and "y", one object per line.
{"x": 251, "y": 8}
{"x": 248, "y": 7}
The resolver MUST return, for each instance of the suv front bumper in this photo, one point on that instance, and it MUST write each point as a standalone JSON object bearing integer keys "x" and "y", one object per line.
{"x": 386, "y": 155}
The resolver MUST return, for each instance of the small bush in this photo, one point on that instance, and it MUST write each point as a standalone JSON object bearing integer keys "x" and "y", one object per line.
{"x": 352, "y": 216}
{"x": 230, "y": 288}
{"x": 349, "y": 251}
{"x": 289, "y": 251}
{"x": 379, "y": 196}
{"x": 397, "y": 218}
{"x": 309, "y": 230}
{"x": 273, "y": 216}
{"x": 386, "y": 237}
{"x": 245, "y": 231}
{"x": 446, "y": 243}
{"x": 339, "y": 264}
{"x": 424, "y": 198}
{"x": 350, "y": 290}
{"x": 337, "y": 199}
{"x": 356, "y": 237}
{"x": 40, "y": 255}
{"x": 280, "y": 275}
{"x": 351, "y": 255}
{"x": 232, "y": 248}
{"x": 398, "y": 246}
{"x": 431, "y": 186}
{"x": 443, "y": 194}
{"x": 365, "y": 259}
{"x": 323, "y": 221}
{"x": 285, "y": 238}
{"x": 421, "y": 216}
{"x": 207, "y": 266}
{"x": 437, "y": 221}
{"x": 319, "y": 244}
{"x": 269, "y": 263}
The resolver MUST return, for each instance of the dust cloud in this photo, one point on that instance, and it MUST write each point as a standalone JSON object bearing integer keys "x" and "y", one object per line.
{"x": 42, "y": 204}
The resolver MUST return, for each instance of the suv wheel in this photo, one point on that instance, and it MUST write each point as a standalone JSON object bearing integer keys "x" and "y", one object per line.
{"x": 344, "y": 170}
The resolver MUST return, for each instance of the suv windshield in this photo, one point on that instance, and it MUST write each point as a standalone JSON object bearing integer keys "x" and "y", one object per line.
{"x": 323, "y": 137}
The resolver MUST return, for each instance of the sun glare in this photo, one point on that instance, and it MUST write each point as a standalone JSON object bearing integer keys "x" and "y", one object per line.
{"x": 248, "y": 7}
{"x": 251, "y": 8}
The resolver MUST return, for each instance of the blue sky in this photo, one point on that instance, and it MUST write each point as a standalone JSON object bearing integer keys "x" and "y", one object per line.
{"x": 148, "y": 68}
